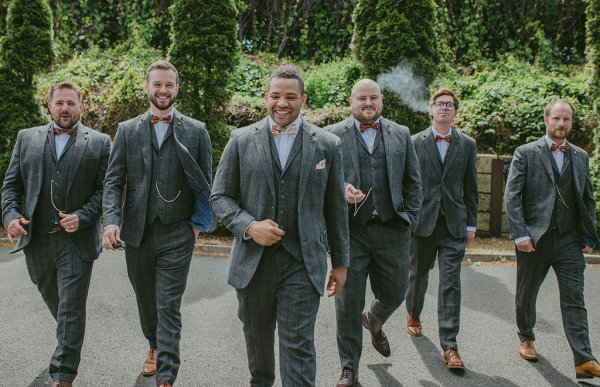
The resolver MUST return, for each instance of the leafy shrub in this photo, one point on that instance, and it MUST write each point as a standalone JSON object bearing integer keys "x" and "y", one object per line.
{"x": 331, "y": 83}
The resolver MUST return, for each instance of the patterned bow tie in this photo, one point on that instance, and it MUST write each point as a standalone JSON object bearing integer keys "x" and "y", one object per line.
{"x": 563, "y": 148}
{"x": 439, "y": 138}
{"x": 154, "y": 119}
{"x": 59, "y": 131}
{"x": 363, "y": 126}
{"x": 290, "y": 129}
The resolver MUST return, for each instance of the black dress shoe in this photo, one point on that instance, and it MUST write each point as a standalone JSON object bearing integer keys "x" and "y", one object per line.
{"x": 379, "y": 340}
{"x": 348, "y": 378}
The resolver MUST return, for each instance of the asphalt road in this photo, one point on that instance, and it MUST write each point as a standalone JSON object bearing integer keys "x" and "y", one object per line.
{"x": 212, "y": 345}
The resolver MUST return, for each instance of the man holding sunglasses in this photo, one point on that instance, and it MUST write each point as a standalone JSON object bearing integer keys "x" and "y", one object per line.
{"x": 58, "y": 169}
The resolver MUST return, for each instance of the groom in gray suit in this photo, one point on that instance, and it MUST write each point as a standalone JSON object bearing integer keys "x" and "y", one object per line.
{"x": 447, "y": 220}
{"x": 551, "y": 212}
{"x": 279, "y": 189}
{"x": 383, "y": 192}
{"x": 56, "y": 172}
{"x": 154, "y": 209}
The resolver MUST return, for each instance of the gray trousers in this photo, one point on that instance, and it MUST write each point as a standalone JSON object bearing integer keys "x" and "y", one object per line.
{"x": 450, "y": 252}
{"x": 564, "y": 255}
{"x": 379, "y": 251}
{"x": 63, "y": 279}
{"x": 158, "y": 272}
{"x": 282, "y": 294}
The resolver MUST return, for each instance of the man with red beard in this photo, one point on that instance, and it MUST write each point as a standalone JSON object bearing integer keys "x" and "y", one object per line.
{"x": 51, "y": 201}
{"x": 383, "y": 194}
{"x": 155, "y": 204}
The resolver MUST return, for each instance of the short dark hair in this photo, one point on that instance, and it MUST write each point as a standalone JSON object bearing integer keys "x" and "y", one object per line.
{"x": 162, "y": 64}
{"x": 287, "y": 71}
{"x": 65, "y": 85}
{"x": 556, "y": 101}
{"x": 444, "y": 91}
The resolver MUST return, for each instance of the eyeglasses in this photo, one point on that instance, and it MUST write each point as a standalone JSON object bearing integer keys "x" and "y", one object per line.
{"x": 441, "y": 105}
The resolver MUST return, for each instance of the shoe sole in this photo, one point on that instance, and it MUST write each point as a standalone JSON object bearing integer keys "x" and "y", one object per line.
{"x": 413, "y": 334}
{"x": 529, "y": 358}
{"x": 584, "y": 376}
{"x": 455, "y": 367}
{"x": 148, "y": 373}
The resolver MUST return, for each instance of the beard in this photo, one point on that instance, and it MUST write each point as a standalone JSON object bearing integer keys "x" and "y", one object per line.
{"x": 162, "y": 105}
{"x": 66, "y": 122}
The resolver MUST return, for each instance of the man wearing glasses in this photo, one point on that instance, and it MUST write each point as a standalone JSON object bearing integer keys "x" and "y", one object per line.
{"x": 155, "y": 203}
{"x": 58, "y": 170}
{"x": 383, "y": 192}
{"x": 447, "y": 221}
{"x": 551, "y": 213}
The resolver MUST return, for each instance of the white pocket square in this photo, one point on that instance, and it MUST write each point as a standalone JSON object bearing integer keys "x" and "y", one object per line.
{"x": 321, "y": 164}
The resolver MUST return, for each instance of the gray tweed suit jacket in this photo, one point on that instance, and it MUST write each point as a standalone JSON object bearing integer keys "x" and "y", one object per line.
{"x": 451, "y": 184}
{"x": 130, "y": 164}
{"x": 401, "y": 162}
{"x": 244, "y": 191}
{"x": 530, "y": 192}
{"x": 84, "y": 191}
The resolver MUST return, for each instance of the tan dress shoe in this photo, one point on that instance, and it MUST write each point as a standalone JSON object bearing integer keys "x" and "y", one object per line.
{"x": 149, "y": 366}
{"x": 61, "y": 383}
{"x": 527, "y": 350}
{"x": 413, "y": 326}
{"x": 453, "y": 360}
{"x": 587, "y": 370}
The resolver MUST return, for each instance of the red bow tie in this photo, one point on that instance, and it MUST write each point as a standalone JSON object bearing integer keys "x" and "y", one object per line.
{"x": 290, "y": 129}
{"x": 363, "y": 126}
{"x": 439, "y": 138}
{"x": 563, "y": 148}
{"x": 68, "y": 131}
{"x": 154, "y": 119}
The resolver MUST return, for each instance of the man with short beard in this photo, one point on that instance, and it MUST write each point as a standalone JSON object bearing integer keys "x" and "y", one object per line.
{"x": 58, "y": 170}
{"x": 383, "y": 195}
{"x": 155, "y": 204}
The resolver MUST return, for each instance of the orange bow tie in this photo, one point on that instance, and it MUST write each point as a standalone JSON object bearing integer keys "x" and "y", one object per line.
{"x": 363, "y": 126}
{"x": 68, "y": 131}
{"x": 439, "y": 138}
{"x": 290, "y": 129}
{"x": 563, "y": 148}
{"x": 154, "y": 119}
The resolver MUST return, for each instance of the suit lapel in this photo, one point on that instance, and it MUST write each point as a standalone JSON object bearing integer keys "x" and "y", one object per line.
{"x": 38, "y": 143}
{"x": 351, "y": 144}
{"x": 391, "y": 145}
{"x": 432, "y": 151}
{"x": 545, "y": 157}
{"x": 309, "y": 145}
{"x": 146, "y": 136}
{"x": 263, "y": 145}
{"x": 79, "y": 147}
{"x": 453, "y": 151}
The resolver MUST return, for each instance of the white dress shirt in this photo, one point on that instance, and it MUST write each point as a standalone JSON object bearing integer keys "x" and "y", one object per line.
{"x": 61, "y": 140}
{"x": 285, "y": 140}
{"x": 368, "y": 135}
{"x": 161, "y": 127}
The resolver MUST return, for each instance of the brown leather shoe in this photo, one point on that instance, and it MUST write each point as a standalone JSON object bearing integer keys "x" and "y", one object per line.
{"x": 61, "y": 383}
{"x": 379, "y": 340}
{"x": 348, "y": 378}
{"x": 413, "y": 326}
{"x": 587, "y": 370}
{"x": 527, "y": 350}
{"x": 453, "y": 360}
{"x": 149, "y": 366}
{"x": 163, "y": 384}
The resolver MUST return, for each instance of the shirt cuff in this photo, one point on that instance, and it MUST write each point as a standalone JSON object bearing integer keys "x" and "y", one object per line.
{"x": 246, "y": 237}
{"x": 471, "y": 229}
{"x": 521, "y": 239}
{"x": 109, "y": 226}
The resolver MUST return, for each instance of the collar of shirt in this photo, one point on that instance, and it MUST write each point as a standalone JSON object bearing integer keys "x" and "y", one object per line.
{"x": 297, "y": 122}
{"x": 65, "y": 135}
{"x": 162, "y": 124}
{"x": 550, "y": 142}
{"x": 436, "y": 133}
{"x": 357, "y": 125}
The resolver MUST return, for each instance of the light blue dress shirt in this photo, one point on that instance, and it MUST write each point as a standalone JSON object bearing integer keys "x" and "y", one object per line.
{"x": 284, "y": 141}
{"x": 368, "y": 135}
{"x": 161, "y": 127}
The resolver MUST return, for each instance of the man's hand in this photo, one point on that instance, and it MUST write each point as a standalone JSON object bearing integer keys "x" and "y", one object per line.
{"x": 70, "y": 222}
{"x": 15, "y": 229}
{"x": 470, "y": 238}
{"x": 265, "y": 232}
{"x": 337, "y": 279}
{"x": 353, "y": 195}
{"x": 111, "y": 236}
{"x": 587, "y": 249}
{"x": 526, "y": 246}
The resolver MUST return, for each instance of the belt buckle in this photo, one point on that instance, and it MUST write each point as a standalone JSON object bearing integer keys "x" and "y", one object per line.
{"x": 54, "y": 229}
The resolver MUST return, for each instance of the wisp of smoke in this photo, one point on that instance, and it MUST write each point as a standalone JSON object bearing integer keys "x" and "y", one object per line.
{"x": 410, "y": 88}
